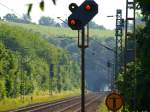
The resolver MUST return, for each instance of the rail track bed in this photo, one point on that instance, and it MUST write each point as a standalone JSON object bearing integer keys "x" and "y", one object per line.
{"x": 72, "y": 104}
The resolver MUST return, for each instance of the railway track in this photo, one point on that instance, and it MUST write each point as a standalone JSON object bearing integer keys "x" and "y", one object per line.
{"x": 71, "y": 104}
{"x": 77, "y": 106}
{"x": 35, "y": 107}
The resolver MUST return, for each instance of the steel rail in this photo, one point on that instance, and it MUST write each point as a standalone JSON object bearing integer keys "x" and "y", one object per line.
{"x": 88, "y": 103}
{"x": 75, "y": 104}
{"x": 49, "y": 105}
{"x": 44, "y": 105}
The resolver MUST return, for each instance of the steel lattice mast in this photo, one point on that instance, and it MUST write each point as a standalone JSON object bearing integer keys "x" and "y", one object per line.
{"x": 130, "y": 43}
{"x": 119, "y": 34}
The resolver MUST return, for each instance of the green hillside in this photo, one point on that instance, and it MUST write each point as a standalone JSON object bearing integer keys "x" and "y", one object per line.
{"x": 25, "y": 60}
{"x": 61, "y": 31}
{"x": 26, "y": 56}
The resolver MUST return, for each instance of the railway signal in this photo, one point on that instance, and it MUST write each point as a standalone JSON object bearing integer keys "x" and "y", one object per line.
{"x": 51, "y": 70}
{"x": 77, "y": 21}
{"x": 82, "y": 15}
{"x": 51, "y": 78}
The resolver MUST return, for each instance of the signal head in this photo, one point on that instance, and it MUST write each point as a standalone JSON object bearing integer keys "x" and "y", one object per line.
{"x": 82, "y": 15}
{"x": 88, "y": 7}
{"x": 74, "y": 23}
{"x": 73, "y": 7}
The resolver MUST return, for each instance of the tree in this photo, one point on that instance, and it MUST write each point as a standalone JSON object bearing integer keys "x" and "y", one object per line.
{"x": 144, "y": 6}
{"x": 11, "y": 17}
{"x": 141, "y": 80}
{"x": 41, "y": 5}
{"x": 93, "y": 25}
{"x": 58, "y": 25}
{"x": 47, "y": 21}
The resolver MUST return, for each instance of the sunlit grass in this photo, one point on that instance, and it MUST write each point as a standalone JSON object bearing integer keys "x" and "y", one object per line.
{"x": 102, "y": 107}
{"x": 63, "y": 32}
{"x": 9, "y": 103}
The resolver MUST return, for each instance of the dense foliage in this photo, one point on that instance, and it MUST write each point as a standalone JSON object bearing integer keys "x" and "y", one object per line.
{"x": 13, "y": 18}
{"x": 135, "y": 87}
{"x": 47, "y": 21}
{"x": 25, "y": 60}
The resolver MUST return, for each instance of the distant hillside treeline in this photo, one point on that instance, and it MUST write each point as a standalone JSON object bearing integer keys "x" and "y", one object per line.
{"x": 25, "y": 60}
{"x": 46, "y": 21}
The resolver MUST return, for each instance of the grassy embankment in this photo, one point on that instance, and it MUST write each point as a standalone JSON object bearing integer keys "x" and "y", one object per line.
{"x": 102, "y": 107}
{"x": 13, "y": 103}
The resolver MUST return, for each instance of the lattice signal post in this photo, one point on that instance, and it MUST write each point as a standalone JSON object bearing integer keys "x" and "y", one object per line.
{"x": 130, "y": 41}
{"x": 119, "y": 34}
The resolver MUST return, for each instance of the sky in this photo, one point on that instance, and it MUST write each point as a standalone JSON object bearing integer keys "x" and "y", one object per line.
{"x": 106, "y": 8}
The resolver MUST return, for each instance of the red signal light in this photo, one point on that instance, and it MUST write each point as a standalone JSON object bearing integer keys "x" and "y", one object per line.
{"x": 72, "y": 22}
{"x": 88, "y": 7}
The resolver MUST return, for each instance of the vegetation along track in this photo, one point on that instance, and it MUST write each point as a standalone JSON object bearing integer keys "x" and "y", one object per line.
{"x": 71, "y": 104}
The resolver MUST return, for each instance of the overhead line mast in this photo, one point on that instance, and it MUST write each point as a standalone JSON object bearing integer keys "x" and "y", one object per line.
{"x": 118, "y": 34}
{"x": 130, "y": 38}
